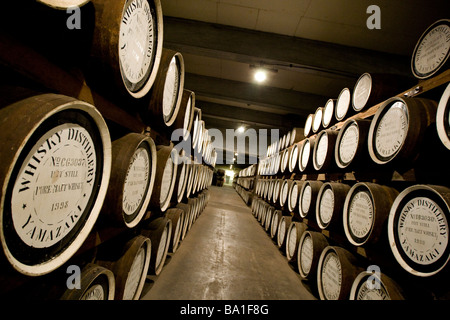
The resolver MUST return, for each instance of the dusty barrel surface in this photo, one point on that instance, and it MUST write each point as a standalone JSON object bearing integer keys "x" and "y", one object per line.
{"x": 418, "y": 229}
{"x": 56, "y": 165}
{"x": 430, "y": 55}
{"x": 132, "y": 179}
{"x": 128, "y": 44}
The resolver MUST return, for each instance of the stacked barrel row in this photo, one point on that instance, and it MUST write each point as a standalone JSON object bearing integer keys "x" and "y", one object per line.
{"x": 245, "y": 183}
{"x": 103, "y": 173}
{"x": 360, "y": 205}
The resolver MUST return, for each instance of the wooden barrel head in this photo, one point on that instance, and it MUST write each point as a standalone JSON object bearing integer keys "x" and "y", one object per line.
{"x": 54, "y": 179}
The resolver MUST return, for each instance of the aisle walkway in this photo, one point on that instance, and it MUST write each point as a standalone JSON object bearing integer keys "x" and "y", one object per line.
{"x": 227, "y": 255}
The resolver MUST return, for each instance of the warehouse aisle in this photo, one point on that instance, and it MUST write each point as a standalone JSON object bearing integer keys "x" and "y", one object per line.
{"x": 227, "y": 255}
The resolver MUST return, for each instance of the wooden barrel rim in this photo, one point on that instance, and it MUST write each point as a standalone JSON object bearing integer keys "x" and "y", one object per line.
{"x": 343, "y": 102}
{"x": 274, "y": 223}
{"x": 305, "y": 155}
{"x": 308, "y": 125}
{"x": 328, "y": 113}
{"x": 381, "y": 199}
{"x": 328, "y": 159}
{"x": 318, "y": 243}
{"x": 166, "y": 156}
{"x": 292, "y": 245}
{"x": 317, "y": 121}
{"x": 313, "y": 188}
{"x": 177, "y": 215}
{"x": 443, "y": 117}
{"x": 339, "y": 192}
{"x": 362, "y": 129}
{"x": 50, "y": 110}
{"x": 107, "y": 53}
{"x": 159, "y": 231}
{"x": 386, "y": 288}
{"x": 283, "y": 227}
{"x": 348, "y": 270}
{"x": 120, "y": 206}
{"x": 419, "y": 114}
{"x": 92, "y": 278}
{"x": 443, "y": 60}
{"x": 432, "y": 262}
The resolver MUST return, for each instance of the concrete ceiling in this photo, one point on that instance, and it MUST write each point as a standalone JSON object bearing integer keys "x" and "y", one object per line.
{"x": 316, "y": 48}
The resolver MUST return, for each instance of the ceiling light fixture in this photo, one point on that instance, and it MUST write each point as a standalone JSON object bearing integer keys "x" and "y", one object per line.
{"x": 261, "y": 72}
{"x": 241, "y": 129}
{"x": 260, "y": 76}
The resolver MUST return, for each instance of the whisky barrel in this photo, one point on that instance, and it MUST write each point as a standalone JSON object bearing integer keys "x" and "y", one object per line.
{"x": 329, "y": 205}
{"x": 323, "y": 153}
{"x": 443, "y": 118}
{"x": 418, "y": 229}
{"x": 317, "y": 121}
{"x": 177, "y": 216}
{"x": 430, "y": 55}
{"x": 179, "y": 181}
{"x": 373, "y": 88}
{"x": 132, "y": 179}
{"x": 398, "y": 128}
{"x": 56, "y": 165}
{"x": 351, "y": 144}
{"x": 336, "y": 272}
{"x": 284, "y": 166}
{"x": 127, "y": 46}
{"x": 343, "y": 103}
{"x": 375, "y": 286}
{"x": 96, "y": 283}
{"x": 166, "y": 93}
{"x": 328, "y": 118}
{"x": 187, "y": 214}
{"x": 185, "y": 115}
{"x": 366, "y": 210}
{"x": 307, "y": 130}
{"x": 285, "y": 188}
{"x": 294, "y": 233}
{"x": 283, "y": 227}
{"x": 293, "y": 195}
{"x": 276, "y": 217}
{"x": 305, "y": 155}
{"x": 308, "y": 197}
{"x": 268, "y": 220}
{"x": 195, "y": 126}
{"x": 296, "y": 135}
{"x": 129, "y": 262}
{"x": 165, "y": 175}
{"x": 310, "y": 247}
{"x": 293, "y": 158}
{"x": 159, "y": 231}
{"x": 276, "y": 191}
{"x": 64, "y": 4}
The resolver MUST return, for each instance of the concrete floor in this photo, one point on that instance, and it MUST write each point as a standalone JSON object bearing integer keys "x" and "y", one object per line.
{"x": 226, "y": 255}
